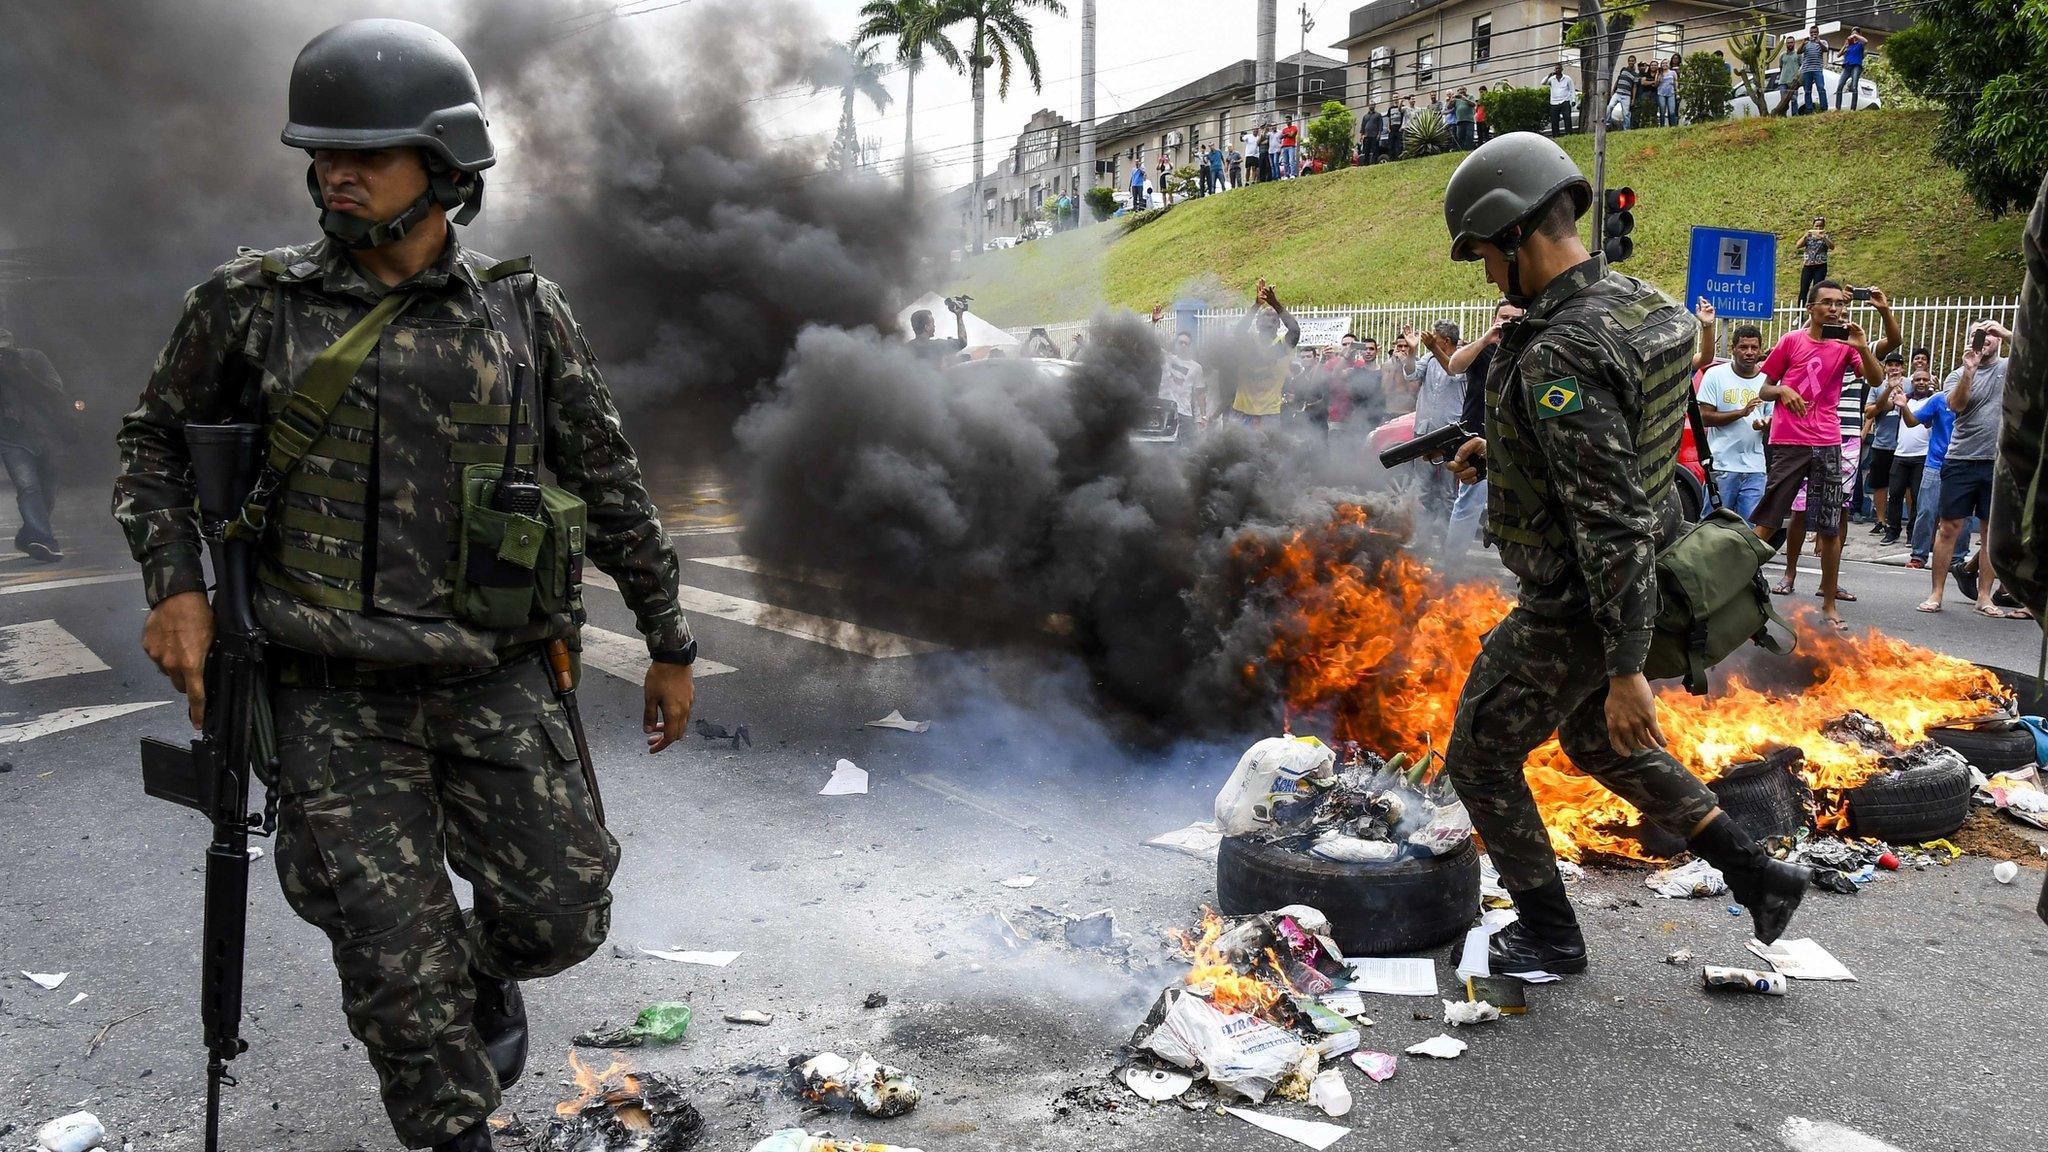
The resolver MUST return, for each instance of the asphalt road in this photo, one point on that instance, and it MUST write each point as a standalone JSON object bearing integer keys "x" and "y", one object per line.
{"x": 829, "y": 899}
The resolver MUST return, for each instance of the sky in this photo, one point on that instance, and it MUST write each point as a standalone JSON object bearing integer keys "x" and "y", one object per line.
{"x": 1142, "y": 49}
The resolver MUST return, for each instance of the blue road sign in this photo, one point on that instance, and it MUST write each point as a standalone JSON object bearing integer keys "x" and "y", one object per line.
{"x": 1736, "y": 271}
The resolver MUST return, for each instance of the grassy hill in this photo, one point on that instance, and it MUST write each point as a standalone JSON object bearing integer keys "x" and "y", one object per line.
{"x": 1361, "y": 235}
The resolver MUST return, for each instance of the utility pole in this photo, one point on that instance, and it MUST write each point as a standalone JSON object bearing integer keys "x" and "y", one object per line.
{"x": 1086, "y": 129}
{"x": 1596, "y": 103}
{"x": 1300, "y": 68}
{"x": 1262, "y": 67}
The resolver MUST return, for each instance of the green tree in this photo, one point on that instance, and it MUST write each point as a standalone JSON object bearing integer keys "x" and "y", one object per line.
{"x": 1001, "y": 39}
{"x": 1618, "y": 19}
{"x": 1752, "y": 50}
{"x": 1510, "y": 109}
{"x": 917, "y": 27}
{"x": 1329, "y": 135}
{"x": 1704, "y": 88}
{"x": 1101, "y": 202}
{"x": 856, "y": 70}
{"x": 1983, "y": 62}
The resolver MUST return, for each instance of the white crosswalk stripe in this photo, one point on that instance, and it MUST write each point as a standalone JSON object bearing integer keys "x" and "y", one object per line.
{"x": 626, "y": 656}
{"x": 841, "y": 634}
{"x": 43, "y": 650}
{"x": 759, "y": 567}
{"x": 65, "y": 719}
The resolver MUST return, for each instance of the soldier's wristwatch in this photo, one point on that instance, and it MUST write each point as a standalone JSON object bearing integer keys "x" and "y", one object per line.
{"x": 686, "y": 655}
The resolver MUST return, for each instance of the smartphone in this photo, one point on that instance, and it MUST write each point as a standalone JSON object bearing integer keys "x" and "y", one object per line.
{"x": 1859, "y": 293}
{"x": 1977, "y": 340}
{"x": 1834, "y": 331}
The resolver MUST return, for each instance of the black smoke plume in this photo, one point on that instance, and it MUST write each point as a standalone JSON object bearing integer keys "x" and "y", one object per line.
{"x": 997, "y": 491}
{"x": 639, "y": 164}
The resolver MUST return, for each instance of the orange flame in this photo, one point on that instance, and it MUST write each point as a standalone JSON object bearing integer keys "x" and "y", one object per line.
{"x": 1229, "y": 988}
{"x": 590, "y": 1085}
{"x": 1384, "y": 653}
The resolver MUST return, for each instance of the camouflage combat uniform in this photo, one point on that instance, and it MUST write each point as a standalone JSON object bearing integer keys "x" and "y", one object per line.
{"x": 407, "y": 736}
{"x": 1584, "y": 411}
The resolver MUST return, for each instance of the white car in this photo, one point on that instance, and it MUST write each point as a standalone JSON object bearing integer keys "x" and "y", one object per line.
{"x": 1866, "y": 93}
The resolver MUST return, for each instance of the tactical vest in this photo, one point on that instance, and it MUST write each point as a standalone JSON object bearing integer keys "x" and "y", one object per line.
{"x": 1643, "y": 329}
{"x": 371, "y": 519}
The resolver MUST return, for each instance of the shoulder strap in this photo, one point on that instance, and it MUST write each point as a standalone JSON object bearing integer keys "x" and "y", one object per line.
{"x": 305, "y": 414}
{"x": 1699, "y": 441}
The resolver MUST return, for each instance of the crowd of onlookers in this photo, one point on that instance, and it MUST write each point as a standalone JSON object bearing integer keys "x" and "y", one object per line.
{"x": 1646, "y": 95}
{"x": 1826, "y": 431}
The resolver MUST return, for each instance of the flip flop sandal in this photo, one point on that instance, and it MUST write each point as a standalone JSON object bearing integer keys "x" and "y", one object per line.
{"x": 1782, "y": 588}
{"x": 1927, "y": 606}
{"x": 1843, "y": 595}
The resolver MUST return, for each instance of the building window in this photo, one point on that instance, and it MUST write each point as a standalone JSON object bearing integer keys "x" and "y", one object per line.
{"x": 1670, "y": 41}
{"x": 1379, "y": 81}
{"x": 1482, "y": 37}
{"x": 1425, "y": 59}
{"x": 1567, "y": 19}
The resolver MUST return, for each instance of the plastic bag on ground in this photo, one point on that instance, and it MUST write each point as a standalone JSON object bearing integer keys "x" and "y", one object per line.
{"x": 662, "y": 1023}
{"x": 1697, "y": 878}
{"x": 76, "y": 1132}
{"x": 1267, "y": 785}
{"x": 1243, "y": 1054}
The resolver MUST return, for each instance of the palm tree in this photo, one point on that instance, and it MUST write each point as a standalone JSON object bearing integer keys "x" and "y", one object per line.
{"x": 1001, "y": 32}
{"x": 917, "y": 26}
{"x": 855, "y": 70}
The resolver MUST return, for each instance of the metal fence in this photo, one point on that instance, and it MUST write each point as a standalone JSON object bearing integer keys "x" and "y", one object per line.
{"x": 1937, "y": 323}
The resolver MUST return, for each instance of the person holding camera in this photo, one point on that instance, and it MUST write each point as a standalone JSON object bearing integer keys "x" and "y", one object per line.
{"x": 925, "y": 346}
{"x": 1973, "y": 396}
{"x": 1813, "y": 253}
{"x": 1803, "y": 376}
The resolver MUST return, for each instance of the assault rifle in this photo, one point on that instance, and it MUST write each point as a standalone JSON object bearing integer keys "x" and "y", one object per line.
{"x": 237, "y": 739}
{"x": 1441, "y": 444}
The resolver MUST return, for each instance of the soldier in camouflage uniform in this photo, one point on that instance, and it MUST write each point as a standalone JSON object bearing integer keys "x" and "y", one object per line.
{"x": 408, "y": 735}
{"x": 1584, "y": 408}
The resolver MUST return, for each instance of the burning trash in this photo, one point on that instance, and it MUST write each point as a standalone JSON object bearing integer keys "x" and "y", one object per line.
{"x": 1263, "y": 1004}
{"x": 646, "y": 1112}
{"x": 867, "y": 1085}
{"x": 1375, "y": 647}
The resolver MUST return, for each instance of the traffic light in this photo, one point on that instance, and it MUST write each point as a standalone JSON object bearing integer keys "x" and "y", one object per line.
{"x": 1620, "y": 221}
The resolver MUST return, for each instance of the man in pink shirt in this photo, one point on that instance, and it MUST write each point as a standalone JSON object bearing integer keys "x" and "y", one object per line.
{"x": 1803, "y": 377}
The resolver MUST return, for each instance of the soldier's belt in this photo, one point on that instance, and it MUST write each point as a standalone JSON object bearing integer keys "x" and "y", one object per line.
{"x": 297, "y": 669}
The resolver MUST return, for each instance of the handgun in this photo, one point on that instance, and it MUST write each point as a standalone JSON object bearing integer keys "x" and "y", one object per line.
{"x": 1439, "y": 445}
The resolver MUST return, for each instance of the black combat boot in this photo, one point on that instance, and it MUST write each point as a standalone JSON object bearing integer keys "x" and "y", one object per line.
{"x": 501, "y": 1024}
{"x": 1544, "y": 937}
{"x": 475, "y": 1138}
{"x": 1769, "y": 887}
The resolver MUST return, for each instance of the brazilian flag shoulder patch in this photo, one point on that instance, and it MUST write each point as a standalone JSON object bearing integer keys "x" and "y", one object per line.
{"x": 1558, "y": 397}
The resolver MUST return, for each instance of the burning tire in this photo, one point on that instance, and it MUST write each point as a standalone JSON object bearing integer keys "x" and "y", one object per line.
{"x": 1915, "y": 805}
{"x": 1765, "y": 796}
{"x": 1991, "y": 750}
{"x": 1381, "y": 908}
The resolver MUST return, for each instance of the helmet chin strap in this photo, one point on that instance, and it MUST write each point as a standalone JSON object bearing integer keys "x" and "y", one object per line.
{"x": 459, "y": 191}
{"x": 1511, "y": 248}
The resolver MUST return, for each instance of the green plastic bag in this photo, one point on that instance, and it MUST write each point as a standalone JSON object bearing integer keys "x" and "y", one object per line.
{"x": 662, "y": 1023}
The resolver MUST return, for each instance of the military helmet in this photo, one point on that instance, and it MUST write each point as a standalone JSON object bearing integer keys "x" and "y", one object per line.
{"x": 388, "y": 84}
{"x": 1505, "y": 182}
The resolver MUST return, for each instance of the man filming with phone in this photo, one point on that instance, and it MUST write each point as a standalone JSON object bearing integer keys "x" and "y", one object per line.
{"x": 1972, "y": 398}
{"x": 1803, "y": 376}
